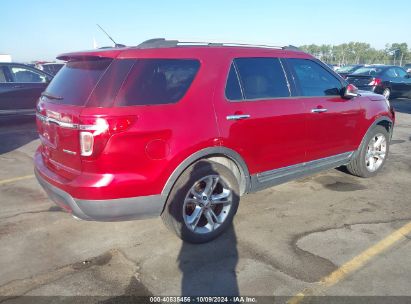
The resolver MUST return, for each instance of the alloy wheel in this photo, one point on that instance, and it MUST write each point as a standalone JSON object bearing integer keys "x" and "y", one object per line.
{"x": 207, "y": 204}
{"x": 376, "y": 152}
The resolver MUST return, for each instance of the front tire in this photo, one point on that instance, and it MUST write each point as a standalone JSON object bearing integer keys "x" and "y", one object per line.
{"x": 371, "y": 156}
{"x": 202, "y": 203}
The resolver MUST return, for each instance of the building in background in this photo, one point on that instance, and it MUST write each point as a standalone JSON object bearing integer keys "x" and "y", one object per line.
{"x": 5, "y": 58}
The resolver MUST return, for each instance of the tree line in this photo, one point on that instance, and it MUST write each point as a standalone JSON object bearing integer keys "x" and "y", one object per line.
{"x": 360, "y": 52}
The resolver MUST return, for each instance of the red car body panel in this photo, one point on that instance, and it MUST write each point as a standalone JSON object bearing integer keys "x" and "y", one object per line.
{"x": 139, "y": 161}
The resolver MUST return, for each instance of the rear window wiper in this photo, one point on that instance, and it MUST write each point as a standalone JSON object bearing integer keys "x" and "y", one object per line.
{"x": 51, "y": 96}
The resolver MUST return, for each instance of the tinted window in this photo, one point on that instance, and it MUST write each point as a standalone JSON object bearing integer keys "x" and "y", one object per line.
{"x": 391, "y": 73}
{"x": 369, "y": 71}
{"x": 262, "y": 78}
{"x": 232, "y": 89}
{"x": 76, "y": 80}
{"x": 157, "y": 81}
{"x": 400, "y": 72}
{"x": 22, "y": 75}
{"x": 313, "y": 79}
{"x": 2, "y": 75}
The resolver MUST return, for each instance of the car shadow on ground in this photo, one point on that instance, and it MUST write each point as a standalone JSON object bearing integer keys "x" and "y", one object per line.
{"x": 17, "y": 133}
{"x": 208, "y": 268}
{"x": 401, "y": 105}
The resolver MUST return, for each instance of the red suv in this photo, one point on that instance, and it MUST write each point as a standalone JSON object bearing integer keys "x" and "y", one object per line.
{"x": 183, "y": 130}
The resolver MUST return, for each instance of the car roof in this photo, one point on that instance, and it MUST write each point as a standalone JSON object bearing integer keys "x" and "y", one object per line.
{"x": 175, "y": 47}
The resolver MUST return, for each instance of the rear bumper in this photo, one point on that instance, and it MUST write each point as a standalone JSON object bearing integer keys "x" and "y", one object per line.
{"x": 118, "y": 209}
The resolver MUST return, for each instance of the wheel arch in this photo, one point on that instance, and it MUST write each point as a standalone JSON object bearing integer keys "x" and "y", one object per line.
{"x": 222, "y": 155}
{"x": 383, "y": 121}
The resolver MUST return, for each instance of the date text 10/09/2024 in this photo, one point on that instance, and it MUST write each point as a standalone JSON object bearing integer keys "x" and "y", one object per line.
{"x": 207, "y": 299}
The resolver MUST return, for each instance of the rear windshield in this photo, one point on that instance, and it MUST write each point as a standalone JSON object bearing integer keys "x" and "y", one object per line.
{"x": 347, "y": 69}
{"x": 76, "y": 80}
{"x": 157, "y": 81}
{"x": 368, "y": 71}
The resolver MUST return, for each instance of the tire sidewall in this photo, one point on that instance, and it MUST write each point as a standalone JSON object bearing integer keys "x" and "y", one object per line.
{"x": 175, "y": 202}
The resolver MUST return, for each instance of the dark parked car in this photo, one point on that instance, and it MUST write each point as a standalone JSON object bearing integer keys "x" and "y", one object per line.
{"x": 183, "y": 130}
{"x": 348, "y": 69}
{"x": 20, "y": 88}
{"x": 50, "y": 68}
{"x": 390, "y": 81}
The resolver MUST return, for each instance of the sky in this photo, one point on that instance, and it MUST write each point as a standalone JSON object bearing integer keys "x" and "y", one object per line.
{"x": 40, "y": 30}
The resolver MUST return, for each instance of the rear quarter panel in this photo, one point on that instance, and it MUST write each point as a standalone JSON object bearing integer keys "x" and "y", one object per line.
{"x": 140, "y": 160}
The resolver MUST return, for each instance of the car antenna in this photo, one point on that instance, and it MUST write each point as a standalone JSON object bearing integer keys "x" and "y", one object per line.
{"x": 115, "y": 43}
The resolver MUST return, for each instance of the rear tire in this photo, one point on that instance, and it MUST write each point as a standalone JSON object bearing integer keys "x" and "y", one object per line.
{"x": 371, "y": 156}
{"x": 202, "y": 202}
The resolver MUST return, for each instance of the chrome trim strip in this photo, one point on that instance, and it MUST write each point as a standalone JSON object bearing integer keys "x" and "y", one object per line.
{"x": 47, "y": 120}
{"x": 314, "y": 165}
{"x": 69, "y": 152}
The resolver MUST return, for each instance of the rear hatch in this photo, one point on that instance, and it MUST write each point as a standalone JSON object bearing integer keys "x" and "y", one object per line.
{"x": 359, "y": 80}
{"x": 59, "y": 113}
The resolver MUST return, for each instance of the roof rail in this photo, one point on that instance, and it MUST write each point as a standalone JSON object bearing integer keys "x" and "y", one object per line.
{"x": 162, "y": 42}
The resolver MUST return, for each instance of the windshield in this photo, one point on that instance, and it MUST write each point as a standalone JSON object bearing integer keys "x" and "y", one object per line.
{"x": 347, "y": 69}
{"x": 369, "y": 71}
{"x": 76, "y": 80}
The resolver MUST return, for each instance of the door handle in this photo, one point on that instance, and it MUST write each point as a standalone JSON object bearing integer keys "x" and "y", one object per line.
{"x": 238, "y": 117}
{"x": 319, "y": 110}
{"x": 17, "y": 87}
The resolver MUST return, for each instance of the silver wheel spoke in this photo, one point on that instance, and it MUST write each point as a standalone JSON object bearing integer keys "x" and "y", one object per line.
{"x": 195, "y": 194}
{"x": 378, "y": 142}
{"x": 193, "y": 200}
{"x": 214, "y": 216}
{"x": 194, "y": 218}
{"x": 211, "y": 183}
{"x": 221, "y": 198}
{"x": 209, "y": 218}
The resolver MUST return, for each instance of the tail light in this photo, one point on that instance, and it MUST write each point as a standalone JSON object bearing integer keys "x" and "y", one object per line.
{"x": 96, "y": 131}
{"x": 375, "y": 82}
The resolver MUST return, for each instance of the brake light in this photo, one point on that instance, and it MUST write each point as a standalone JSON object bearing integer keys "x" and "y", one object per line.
{"x": 96, "y": 131}
{"x": 375, "y": 82}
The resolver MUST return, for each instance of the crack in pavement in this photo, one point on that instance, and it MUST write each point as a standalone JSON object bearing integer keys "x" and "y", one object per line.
{"x": 51, "y": 209}
{"x": 21, "y": 287}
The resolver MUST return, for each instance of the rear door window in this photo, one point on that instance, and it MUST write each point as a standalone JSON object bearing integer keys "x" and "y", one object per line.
{"x": 262, "y": 78}
{"x": 313, "y": 79}
{"x": 233, "y": 89}
{"x": 2, "y": 75}
{"x": 22, "y": 74}
{"x": 76, "y": 80}
{"x": 157, "y": 81}
{"x": 400, "y": 73}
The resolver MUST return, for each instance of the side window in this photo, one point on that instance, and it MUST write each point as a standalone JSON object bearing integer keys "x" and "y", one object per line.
{"x": 400, "y": 72}
{"x": 262, "y": 78}
{"x": 22, "y": 74}
{"x": 232, "y": 89}
{"x": 313, "y": 79}
{"x": 157, "y": 81}
{"x": 2, "y": 75}
{"x": 391, "y": 73}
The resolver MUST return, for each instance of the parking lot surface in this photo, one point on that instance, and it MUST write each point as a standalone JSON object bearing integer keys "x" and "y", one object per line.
{"x": 328, "y": 234}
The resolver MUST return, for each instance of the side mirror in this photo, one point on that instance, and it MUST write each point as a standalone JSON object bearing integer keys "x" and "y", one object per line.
{"x": 350, "y": 91}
